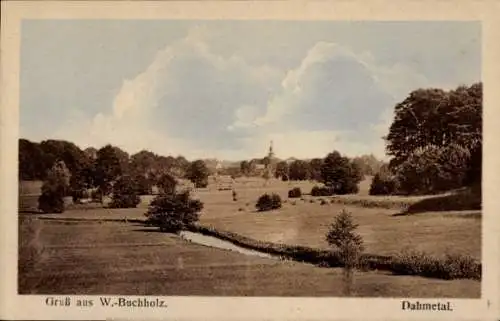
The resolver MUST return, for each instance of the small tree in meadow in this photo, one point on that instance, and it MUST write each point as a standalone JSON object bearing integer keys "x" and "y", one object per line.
{"x": 349, "y": 245}
{"x": 174, "y": 212}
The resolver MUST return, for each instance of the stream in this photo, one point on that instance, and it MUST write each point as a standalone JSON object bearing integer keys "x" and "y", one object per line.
{"x": 217, "y": 243}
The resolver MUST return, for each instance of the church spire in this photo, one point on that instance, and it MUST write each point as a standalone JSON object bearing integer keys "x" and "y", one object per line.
{"x": 271, "y": 152}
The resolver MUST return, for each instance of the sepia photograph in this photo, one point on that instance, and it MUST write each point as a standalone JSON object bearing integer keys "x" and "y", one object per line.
{"x": 250, "y": 158}
{"x": 173, "y": 160}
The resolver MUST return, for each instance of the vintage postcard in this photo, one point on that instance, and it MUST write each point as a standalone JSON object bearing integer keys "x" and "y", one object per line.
{"x": 250, "y": 160}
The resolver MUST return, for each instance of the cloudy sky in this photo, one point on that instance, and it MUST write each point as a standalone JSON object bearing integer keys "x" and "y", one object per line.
{"x": 226, "y": 88}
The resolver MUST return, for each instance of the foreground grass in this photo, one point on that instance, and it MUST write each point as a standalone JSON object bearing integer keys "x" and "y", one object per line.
{"x": 128, "y": 259}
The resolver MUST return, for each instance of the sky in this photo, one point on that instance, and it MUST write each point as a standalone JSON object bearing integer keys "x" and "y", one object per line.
{"x": 225, "y": 89}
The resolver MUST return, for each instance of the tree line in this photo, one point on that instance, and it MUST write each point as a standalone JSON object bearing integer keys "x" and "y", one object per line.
{"x": 100, "y": 169}
{"x": 299, "y": 170}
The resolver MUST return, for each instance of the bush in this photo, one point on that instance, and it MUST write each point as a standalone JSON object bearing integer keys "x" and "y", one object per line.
{"x": 382, "y": 185}
{"x": 125, "y": 193}
{"x": 295, "y": 192}
{"x": 268, "y": 202}
{"x": 347, "y": 187}
{"x": 174, "y": 212}
{"x": 235, "y": 196}
{"x": 450, "y": 267}
{"x": 323, "y": 202}
{"x": 322, "y": 191}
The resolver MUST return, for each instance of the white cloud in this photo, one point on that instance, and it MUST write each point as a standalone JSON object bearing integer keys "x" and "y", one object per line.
{"x": 193, "y": 102}
{"x": 336, "y": 99}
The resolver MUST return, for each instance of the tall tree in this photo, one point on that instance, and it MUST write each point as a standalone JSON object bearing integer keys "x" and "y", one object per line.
{"x": 417, "y": 121}
{"x": 31, "y": 161}
{"x": 299, "y": 170}
{"x": 340, "y": 174}
{"x": 368, "y": 164}
{"x": 315, "y": 168}
{"x": 198, "y": 173}
{"x": 436, "y": 117}
{"x": 282, "y": 170}
{"x": 167, "y": 184}
{"x": 108, "y": 168}
{"x": 144, "y": 163}
{"x": 245, "y": 168}
{"x": 54, "y": 189}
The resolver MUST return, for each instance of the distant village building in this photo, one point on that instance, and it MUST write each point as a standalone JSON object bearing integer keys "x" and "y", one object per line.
{"x": 270, "y": 162}
{"x": 267, "y": 166}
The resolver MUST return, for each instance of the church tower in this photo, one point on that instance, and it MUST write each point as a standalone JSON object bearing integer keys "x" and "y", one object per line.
{"x": 270, "y": 162}
{"x": 271, "y": 152}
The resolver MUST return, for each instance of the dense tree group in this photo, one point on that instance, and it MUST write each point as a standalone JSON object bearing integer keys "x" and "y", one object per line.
{"x": 108, "y": 171}
{"x": 435, "y": 141}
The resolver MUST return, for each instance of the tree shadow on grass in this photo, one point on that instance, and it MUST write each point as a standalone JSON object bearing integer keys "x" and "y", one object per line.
{"x": 148, "y": 230}
{"x": 463, "y": 200}
{"x": 22, "y": 211}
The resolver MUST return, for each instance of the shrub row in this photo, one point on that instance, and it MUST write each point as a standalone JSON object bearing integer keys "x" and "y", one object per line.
{"x": 379, "y": 203}
{"x": 450, "y": 267}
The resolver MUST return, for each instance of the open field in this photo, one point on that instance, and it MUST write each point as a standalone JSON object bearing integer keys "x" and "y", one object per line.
{"x": 128, "y": 259}
{"x": 383, "y": 231}
{"x": 305, "y": 223}
{"x": 108, "y": 257}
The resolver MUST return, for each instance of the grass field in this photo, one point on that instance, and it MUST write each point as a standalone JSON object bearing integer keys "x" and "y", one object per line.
{"x": 118, "y": 258}
{"x": 126, "y": 259}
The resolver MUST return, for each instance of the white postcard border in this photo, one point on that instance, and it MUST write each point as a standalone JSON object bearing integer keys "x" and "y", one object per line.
{"x": 13, "y": 306}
